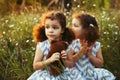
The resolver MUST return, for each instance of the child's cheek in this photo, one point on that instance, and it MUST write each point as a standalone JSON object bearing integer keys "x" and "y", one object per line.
{"x": 77, "y": 32}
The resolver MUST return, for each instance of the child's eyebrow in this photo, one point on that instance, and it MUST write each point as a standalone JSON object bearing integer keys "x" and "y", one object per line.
{"x": 55, "y": 25}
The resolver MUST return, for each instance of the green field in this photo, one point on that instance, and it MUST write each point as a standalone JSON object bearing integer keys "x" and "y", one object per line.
{"x": 17, "y": 47}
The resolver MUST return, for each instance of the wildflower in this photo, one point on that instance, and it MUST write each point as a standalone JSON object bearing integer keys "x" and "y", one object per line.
{"x": 27, "y": 41}
{"x": 108, "y": 45}
{"x": 11, "y": 26}
{"x": 78, "y": 6}
{"x": 68, "y": 5}
{"x": 6, "y": 21}
{"x": 32, "y": 40}
{"x": 94, "y": 5}
{"x": 4, "y": 32}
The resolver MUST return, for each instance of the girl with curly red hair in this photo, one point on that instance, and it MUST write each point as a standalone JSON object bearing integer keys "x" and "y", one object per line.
{"x": 53, "y": 29}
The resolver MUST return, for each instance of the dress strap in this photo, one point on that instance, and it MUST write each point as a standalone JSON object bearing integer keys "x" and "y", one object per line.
{"x": 44, "y": 46}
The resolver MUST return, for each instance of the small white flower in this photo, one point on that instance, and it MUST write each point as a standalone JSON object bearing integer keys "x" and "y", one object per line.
{"x": 101, "y": 45}
{"x": 16, "y": 44}
{"x": 78, "y": 6}
{"x": 32, "y": 40}
{"x": 116, "y": 38}
{"x": 35, "y": 18}
{"x": 33, "y": 48}
{"x": 107, "y": 32}
{"x": 94, "y": 5}
{"x": 108, "y": 38}
{"x": 68, "y": 4}
{"x": 83, "y": 2}
{"x": 21, "y": 22}
{"x": 11, "y": 26}
{"x": 116, "y": 33}
{"x": 68, "y": 13}
{"x": 27, "y": 41}
{"x": 104, "y": 32}
{"x": 6, "y": 21}
{"x": 108, "y": 45}
{"x": 4, "y": 32}
{"x": 108, "y": 19}
{"x": 102, "y": 16}
{"x": 82, "y": 11}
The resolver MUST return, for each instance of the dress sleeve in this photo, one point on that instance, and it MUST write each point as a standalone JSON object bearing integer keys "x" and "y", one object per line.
{"x": 75, "y": 45}
{"x": 96, "y": 48}
{"x": 41, "y": 46}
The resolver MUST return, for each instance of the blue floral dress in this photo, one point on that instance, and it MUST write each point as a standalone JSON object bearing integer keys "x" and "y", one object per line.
{"x": 85, "y": 68}
{"x": 44, "y": 74}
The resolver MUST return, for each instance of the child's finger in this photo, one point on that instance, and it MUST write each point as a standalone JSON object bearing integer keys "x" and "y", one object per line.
{"x": 71, "y": 51}
{"x": 64, "y": 57}
{"x": 63, "y": 52}
{"x": 57, "y": 53}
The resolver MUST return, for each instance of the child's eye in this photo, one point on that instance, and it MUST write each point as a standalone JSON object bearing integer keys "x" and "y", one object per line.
{"x": 75, "y": 25}
{"x": 47, "y": 27}
{"x": 55, "y": 27}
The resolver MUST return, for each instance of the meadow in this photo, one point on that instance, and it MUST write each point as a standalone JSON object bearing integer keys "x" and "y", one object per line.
{"x": 17, "y": 46}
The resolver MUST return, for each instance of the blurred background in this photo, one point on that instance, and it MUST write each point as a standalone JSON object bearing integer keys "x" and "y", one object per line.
{"x": 17, "y": 18}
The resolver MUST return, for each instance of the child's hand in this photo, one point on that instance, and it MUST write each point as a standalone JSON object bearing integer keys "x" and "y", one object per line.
{"x": 63, "y": 54}
{"x": 89, "y": 50}
{"x": 83, "y": 47}
{"x": 55, "y": 57}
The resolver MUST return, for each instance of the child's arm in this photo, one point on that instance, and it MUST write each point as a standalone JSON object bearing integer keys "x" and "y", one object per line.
{"x": 82, "y": 51}
{"x": 38, "y": 63}
{"x": 96, "y": 60}
{"x": 67, "y": 59}
{"x": 71, "y": 58}
{"x": 79, "y": 54}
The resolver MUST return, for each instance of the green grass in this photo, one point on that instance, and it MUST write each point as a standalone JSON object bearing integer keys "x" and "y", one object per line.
{"x": 17, "y": 47}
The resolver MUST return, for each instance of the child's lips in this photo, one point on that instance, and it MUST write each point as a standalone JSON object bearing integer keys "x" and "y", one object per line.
{"x": 51, "y": 35}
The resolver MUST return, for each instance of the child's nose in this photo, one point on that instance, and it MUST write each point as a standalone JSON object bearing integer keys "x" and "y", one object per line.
{"x": 51, "y": 30}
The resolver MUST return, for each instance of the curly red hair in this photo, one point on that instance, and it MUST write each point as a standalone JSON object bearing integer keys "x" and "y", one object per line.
{"x": 39, "y": 30}
{"x": 39, "y": 33}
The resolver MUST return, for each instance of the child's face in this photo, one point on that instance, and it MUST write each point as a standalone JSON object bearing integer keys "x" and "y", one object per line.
{"x": 77, "y": 27}
{"x": 53, "y": 29}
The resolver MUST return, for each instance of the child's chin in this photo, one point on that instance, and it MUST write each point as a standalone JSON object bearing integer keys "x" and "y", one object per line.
{"x": 51, "y": 39}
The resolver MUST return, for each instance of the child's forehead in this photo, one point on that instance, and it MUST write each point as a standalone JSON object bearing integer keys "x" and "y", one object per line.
{"x": 52, "y": 22}
{"x": 76, "y": 21}
{"x": 49, "y": 19}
